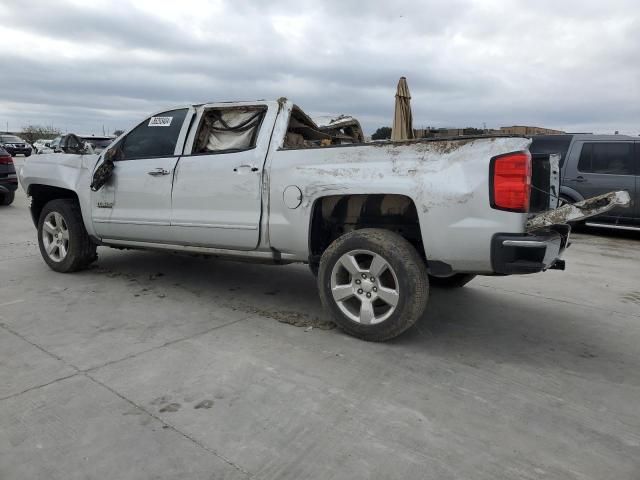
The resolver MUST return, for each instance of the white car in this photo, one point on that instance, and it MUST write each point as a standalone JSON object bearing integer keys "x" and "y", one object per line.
{"x": 42, "y": 144}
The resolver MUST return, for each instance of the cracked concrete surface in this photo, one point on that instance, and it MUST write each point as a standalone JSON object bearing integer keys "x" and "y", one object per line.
{"x": 155, "y": 366}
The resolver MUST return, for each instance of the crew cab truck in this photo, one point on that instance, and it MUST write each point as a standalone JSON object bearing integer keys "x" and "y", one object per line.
{"x": 377, "y": 223}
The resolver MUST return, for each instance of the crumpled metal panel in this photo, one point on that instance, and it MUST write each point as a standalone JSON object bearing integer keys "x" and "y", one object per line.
{"x": 578, "y": 211}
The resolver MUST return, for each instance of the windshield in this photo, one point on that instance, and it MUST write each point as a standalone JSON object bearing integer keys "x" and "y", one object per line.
{"x": 99, "y": 143}
{"x": 10, "y": 139}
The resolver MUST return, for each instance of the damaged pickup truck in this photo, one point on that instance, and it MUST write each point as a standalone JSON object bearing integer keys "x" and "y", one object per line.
{"x": 377, "y": 223}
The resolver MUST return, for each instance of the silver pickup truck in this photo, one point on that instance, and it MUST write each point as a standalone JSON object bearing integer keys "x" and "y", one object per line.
{"x": 376, "y": 222}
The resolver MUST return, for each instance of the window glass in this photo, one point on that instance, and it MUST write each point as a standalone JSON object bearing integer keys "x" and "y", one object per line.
{"x": 11, "y": 139}
{"x": 155, "y": 137}
{"x": 608, "y": 158}
{"x": 228, "y": 129}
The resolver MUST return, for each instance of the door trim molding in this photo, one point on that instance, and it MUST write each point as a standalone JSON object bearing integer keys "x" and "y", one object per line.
{"x": 271, "y": 255}
{"x": 214, "y": 225}
{"x": 131, "y": 222}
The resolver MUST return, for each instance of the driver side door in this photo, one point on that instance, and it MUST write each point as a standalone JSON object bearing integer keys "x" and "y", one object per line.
{"x": 135, "y": 204}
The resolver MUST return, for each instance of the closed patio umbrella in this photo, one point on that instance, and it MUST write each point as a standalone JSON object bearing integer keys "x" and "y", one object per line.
{"x": 402, "y": 118}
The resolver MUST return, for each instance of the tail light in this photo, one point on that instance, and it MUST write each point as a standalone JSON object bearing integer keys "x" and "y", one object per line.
{"x": 6, "y": 160}
{"x": 510, "y": 181}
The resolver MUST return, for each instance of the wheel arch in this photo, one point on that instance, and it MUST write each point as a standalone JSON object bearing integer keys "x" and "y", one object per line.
{"x": 571, "y": 193}
{"x": 42, "y": 194}
{"x": 335, "y": 215}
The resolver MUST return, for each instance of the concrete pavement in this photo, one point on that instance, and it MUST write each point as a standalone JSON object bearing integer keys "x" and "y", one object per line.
{"x": 157, "y": 366}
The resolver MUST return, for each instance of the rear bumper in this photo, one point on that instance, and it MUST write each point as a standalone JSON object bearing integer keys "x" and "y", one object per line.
{"x": 531, "y": 252}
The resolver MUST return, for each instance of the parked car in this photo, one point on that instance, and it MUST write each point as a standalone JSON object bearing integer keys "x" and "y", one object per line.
{"x": 98, "y": 142}
{"x": 71, "y": 143}
{"x": 8, "y": 178}
{"x": 260, "y": 181}
{"x": 15, "y": 145}
{"x": 41, "y": 144}
{"x": 594, "y": 164}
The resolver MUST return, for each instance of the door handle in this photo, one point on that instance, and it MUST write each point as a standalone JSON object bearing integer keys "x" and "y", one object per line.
{"x": 244, "y": 168}
{"x": 158, "y": 172}
{"x": 580, "y": 179}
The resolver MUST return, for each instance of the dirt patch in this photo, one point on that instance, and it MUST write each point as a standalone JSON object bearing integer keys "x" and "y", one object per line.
{"x": 290, "y": 317}
{"x": 633, "y": 297}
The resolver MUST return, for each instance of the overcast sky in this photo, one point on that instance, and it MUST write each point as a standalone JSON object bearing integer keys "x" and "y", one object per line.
{"x": 567, "y": 64}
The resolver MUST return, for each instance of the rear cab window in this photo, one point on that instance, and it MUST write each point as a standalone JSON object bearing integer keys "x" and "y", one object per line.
{"x": 608, "y": 158}
{"x": 226, "y": 130}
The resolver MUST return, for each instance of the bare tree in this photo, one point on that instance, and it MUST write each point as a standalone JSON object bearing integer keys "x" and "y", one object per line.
{"x": 31, "y": 133}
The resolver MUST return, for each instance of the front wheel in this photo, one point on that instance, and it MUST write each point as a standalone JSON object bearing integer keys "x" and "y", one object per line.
{"x": 374, "y": 283}
{"x": 64, "y": 243}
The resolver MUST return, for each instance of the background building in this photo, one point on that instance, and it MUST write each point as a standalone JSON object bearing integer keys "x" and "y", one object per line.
{"x": 527, "y": 130}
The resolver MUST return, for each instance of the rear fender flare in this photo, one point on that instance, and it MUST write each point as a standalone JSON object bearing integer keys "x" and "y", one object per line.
{"x": 571, "y": 193}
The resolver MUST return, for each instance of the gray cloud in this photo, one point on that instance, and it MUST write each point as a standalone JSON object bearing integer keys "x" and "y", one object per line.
{"x": 564, "y": 64}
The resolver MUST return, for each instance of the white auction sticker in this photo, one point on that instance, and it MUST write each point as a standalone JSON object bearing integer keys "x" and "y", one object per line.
{"x": 160, "y": 121}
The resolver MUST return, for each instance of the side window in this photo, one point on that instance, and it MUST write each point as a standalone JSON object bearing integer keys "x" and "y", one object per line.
{"x": 607, "y": 158}
{"x": 155, "y": 137}
{"x": 228, "y": 129}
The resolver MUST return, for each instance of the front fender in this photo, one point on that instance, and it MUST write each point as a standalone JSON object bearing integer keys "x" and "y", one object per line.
{"x": 64, "y": 171}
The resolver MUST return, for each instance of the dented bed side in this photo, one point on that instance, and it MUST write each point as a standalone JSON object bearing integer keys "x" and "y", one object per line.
{"x": 447, "y": 180}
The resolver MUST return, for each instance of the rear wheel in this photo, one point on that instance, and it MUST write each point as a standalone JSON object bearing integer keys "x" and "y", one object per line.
{"x": 456, "y": 280}
{"x": 63, "y": 240}
{"x": 374, "y": 283}
{"x": 7, "y": 198}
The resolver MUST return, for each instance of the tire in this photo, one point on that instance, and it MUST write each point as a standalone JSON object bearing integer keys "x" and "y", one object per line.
{"x": 456, "y": 280}
{"x": 314, "y": 267}
{"x": 399, "y": 276}
{"x": 27, "y": 154}
{"x": 7, "y": 198}
{"x": 61, "y": 232}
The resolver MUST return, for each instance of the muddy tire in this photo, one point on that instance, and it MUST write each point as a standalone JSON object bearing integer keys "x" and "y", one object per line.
{"x": 64, "y": 243}
{"x": 314, "y": 267}
{"x": 456, "y": 280}
{"x": 374, "y": 283}
{"x": 7, "y": 198}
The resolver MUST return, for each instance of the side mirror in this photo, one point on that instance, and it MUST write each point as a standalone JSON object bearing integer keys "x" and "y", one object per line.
{"x": 114, "y": 154}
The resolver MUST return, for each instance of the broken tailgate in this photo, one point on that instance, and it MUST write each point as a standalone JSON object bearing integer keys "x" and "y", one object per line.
{"x": 578, "y": 211}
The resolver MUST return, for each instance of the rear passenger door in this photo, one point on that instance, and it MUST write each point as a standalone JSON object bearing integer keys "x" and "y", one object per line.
{"x": 603, "y": 167}
{"x": 217, "y": 191}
